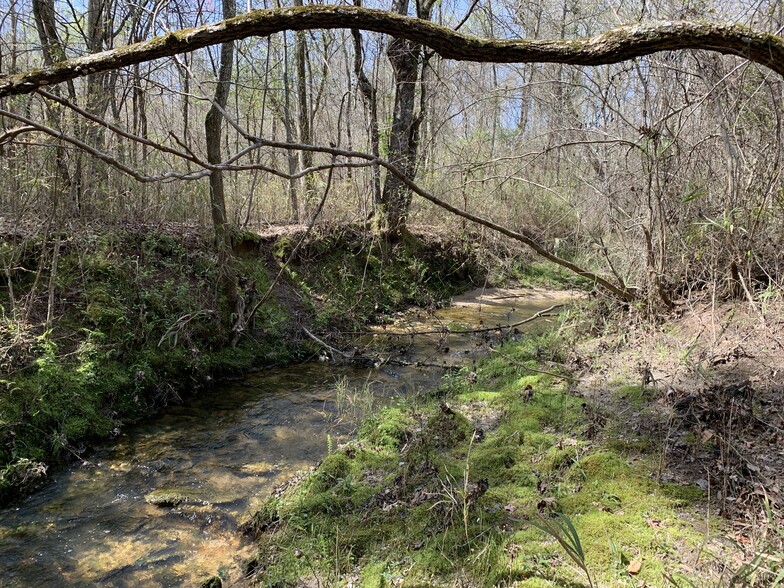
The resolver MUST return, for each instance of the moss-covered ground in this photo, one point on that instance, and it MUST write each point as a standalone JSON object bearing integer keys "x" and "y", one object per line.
{"x": 351, "y": 280}
{"x": 454, "y": 488}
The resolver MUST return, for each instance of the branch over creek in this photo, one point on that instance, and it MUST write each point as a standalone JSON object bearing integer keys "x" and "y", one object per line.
{"x": 614, "y": 46}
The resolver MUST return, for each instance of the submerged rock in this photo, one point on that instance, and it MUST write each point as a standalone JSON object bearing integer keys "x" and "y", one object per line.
{"x": 167, "y": 497}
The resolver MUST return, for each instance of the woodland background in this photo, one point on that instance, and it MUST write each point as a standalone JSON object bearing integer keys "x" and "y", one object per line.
{"x": 663, "y": 172}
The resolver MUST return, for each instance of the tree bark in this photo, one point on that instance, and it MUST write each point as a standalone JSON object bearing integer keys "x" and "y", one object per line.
{"x": 53, "y": 52}
{"x": 303, "y": 115}
{"x": 404, "y": 57}
{"x": 614, "y": 46}
{"x": 212, "y": 131}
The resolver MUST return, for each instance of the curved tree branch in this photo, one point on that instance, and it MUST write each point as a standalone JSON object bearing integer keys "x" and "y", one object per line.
{"x": 614, "y": 46}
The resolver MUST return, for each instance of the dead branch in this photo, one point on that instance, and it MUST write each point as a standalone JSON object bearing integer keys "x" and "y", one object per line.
{"x": 447, "y": 331}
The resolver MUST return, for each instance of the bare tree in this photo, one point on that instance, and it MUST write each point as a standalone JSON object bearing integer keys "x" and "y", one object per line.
{"x": 613, "y": 129}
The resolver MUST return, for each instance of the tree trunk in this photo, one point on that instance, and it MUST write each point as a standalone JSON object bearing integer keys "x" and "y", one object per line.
{"x": 53, "y": 52}
{"x": 404, "y": 56}
{"x": 285, "y": 117}
{"x": 213, "y": 123}
{"x": 303, "y": 115}
{"x": 368, "y": 92}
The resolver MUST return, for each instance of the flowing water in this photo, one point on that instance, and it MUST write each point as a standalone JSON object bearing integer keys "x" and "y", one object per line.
{"x": 222, "y": 452}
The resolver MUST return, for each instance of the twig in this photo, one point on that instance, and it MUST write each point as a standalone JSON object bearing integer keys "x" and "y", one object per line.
{"x": 377, "y": 361}
{"x": 332, "y": 350}
{"x": 52, "y": 283}
{"x": 448, "y": 331}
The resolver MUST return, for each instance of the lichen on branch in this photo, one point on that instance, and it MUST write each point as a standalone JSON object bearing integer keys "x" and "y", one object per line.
{"x": 620, "y": 44}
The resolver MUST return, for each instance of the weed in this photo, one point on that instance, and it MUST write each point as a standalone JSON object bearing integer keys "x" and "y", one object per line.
{"x": 353, "y": 404}
{"x": 766, "y": 567}
{"x": 560, "y": 528}
{"x": 459, "y": 497}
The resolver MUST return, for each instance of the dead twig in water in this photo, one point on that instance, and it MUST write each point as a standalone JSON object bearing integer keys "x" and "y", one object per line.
{"x": 332, "y": 350}
{"x": 448, "y": 331}
{"x": 377, "y": 361}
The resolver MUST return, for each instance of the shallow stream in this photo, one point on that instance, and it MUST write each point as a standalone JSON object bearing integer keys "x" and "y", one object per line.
{"x": 222, "y": 452}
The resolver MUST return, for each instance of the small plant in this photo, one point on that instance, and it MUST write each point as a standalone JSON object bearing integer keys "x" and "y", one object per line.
{"x": 767, "y": 566}
{"x": 561, "y": 529}
{"x": 353, "y": 404}
{"x": 458, "y": 497}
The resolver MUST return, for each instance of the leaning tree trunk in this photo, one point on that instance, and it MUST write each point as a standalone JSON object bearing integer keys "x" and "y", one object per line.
{"x": 227, "y": 275}
{"x": 614, "y": 46}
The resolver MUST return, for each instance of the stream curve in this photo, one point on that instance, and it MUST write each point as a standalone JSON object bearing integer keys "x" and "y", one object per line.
{"x": 160, "y": 504}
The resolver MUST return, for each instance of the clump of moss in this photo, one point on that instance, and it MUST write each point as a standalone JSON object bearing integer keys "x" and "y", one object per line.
{"x": 390, "y": 429}
{"x": 447, "y": 428}
{"x": 332, "y": 471}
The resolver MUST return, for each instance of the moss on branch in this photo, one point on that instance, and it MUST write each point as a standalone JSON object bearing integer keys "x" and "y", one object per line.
{"x": 614, "y": 46}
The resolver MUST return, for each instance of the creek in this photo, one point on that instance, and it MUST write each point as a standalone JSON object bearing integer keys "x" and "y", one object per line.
{"x": 224, "y": 451}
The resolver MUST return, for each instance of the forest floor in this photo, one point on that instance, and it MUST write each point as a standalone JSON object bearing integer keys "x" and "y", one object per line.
{"x": 708, "y": 399}
{"x": 611, "y": 451}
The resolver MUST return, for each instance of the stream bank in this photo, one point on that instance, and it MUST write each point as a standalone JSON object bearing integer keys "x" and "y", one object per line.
{"x": 103, "y": 326}
{"x": 612, "y": 450}
{"x": 161, "y": 504}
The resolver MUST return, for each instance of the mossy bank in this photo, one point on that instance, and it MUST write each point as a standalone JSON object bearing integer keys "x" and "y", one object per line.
{"x": 458, "y": 487}
{"x": 100, "y": 327}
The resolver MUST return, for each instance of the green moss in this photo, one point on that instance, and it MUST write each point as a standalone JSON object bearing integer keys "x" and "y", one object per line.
{"x": 683, "y": 495}
{"x": 478, "y": 396}
{"x": 634, "y": 394}
{"x": 420, "y": 510}
{"x": 166, "y": 497}
{"x": 544, "y": 274}
{"x": 332, "y": 470}
{"x": 390, "y": 429}
{"x": 374, "y": 576}
{"x": 447, "y": 429}
{"x": 603, "y": 465}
